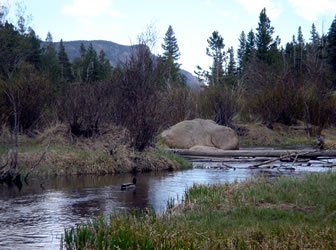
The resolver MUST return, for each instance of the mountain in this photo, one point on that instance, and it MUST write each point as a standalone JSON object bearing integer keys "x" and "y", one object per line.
{"x": 116, "y": 53}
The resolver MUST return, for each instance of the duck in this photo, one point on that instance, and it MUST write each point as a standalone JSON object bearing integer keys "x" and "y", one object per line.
{"x": 129, "y": 185}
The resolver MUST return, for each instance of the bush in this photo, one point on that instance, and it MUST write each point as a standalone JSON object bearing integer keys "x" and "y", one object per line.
{"x": 85, "y": 107}
{"x": 180, "y": 104}
{"x": 273, "y": 97}
{"x": 24, "y": 98}
{"x": 218, "y": 102}
{"x": 137, "y": 97}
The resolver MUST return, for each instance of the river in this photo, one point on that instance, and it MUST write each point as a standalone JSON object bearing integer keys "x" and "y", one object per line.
{"x": 35, "y": 217}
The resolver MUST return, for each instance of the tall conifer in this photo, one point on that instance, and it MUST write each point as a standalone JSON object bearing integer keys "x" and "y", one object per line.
{"x": 264, "y": 37}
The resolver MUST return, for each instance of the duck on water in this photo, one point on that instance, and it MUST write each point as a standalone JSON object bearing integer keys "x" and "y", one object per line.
{"x": 126, "y": 186}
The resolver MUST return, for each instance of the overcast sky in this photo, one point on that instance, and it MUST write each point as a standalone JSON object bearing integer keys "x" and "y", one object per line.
{"x": 193, "y": 21}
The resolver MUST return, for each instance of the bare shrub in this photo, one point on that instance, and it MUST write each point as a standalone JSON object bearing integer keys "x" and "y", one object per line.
{"x": 137, "y": 97}
{"x": 273, "y": 96}
{"x": 319, "y": 99}
{"x": 180, "y": 104}
{"x": 218, "y": 102}
{"x": 85, "y": 107}
{"x": 24, "y": 97}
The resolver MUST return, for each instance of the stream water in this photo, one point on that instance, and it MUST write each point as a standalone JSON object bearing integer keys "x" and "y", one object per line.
{"x": 35, "y": 217}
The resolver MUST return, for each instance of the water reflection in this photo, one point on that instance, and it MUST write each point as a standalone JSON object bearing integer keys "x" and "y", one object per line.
{"x": 35, "y": 218}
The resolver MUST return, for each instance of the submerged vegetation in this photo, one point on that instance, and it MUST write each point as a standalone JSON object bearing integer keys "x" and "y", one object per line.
{"x": 259, "y": 213}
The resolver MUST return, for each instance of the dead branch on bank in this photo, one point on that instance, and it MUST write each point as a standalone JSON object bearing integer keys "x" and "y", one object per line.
{"x": 39, "y": 161}
{"x": 293, "y": 155}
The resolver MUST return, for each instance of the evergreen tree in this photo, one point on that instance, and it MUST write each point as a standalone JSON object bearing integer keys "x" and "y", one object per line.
{"x": 241, "y": 52}
{"x": 231, "y": 69}
{"x": 331, "y": 45}
{"x": 78, "y": 64}
{"x": 49, "y": 60}
{"x": 82, "y": 50}
{"x": 49, "y": 38}
{"x": 250, "y": 46}
{"x": 104, "y": 66}
{"x": 264, "y": 37}
{"x": 289, "y": 51}
{"x": 90, "y": 68}
{"x": 315, "y": 38}
{"x": 65, "y": 65}
{"x": 215, "y": 50}
{"x": 170, "y": 57}
{"x": 299, "y": 50}
{"x": 17, "y": 48}
{"x": 170, "y": 46}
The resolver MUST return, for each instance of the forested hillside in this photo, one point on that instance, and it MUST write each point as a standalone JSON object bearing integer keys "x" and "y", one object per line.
{"x": 115, "y": 53}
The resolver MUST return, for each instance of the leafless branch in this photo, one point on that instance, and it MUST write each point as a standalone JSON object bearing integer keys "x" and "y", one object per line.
{"x": 39, "y": 161}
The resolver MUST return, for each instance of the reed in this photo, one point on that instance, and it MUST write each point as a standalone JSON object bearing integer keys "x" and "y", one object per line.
{"x": 259, "y": 213}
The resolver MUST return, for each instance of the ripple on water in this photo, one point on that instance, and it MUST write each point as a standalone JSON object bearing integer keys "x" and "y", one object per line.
{"x": 35, "y": 218}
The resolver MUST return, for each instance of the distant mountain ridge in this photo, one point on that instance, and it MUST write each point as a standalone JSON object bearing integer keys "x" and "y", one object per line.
{"x": 116, "y": 53}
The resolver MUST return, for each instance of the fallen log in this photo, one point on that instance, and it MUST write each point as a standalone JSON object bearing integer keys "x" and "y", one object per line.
{"x": 230, "y": 160}
{"x": 194, "y": 154}
{"x": 295, "y": 154}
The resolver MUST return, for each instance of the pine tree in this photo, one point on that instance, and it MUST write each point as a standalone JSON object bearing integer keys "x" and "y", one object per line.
{"x": 170, "y": 57}
{"x": 315, "y": 37}
{"x": 90, "y": 65}
{"x": 65, "y": 65}
{"x": 82, "y": 50}
{"x": 170, "y": 46}
{"x": 215, "y": 50}
{"x": 241, "y": 52}
{"x": 49, "y": 60}
{"x": 331, "y": 45}
{"x": 299, "y": 50}
{"x": 231, "y": 69}
{"x": 250, "y": 46}
{"x": 264, "y": 37}
{"x": 104, "y": 66}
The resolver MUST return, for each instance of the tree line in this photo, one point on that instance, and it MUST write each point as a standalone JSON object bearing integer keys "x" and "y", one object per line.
{"x": 147, "y": 93}
{"x": 270, "y": 82}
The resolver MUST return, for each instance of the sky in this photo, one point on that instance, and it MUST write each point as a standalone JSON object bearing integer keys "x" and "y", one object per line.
{"x": 193, "y": 21}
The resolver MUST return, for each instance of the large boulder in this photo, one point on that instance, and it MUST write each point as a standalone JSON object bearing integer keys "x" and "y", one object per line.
{"x": 199, "y": 133}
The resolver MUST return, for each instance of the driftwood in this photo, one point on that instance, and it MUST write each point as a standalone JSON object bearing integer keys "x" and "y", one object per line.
{"x": 231, "y": 160}
{"x": 296, "y": 155}
{"x": 252, "y": 156}
{"x": 218, "y": 154}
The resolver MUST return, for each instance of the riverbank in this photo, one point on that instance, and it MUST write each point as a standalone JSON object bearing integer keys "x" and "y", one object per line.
{"x": 259, "y": 213}
{"x": 108, "y": 153}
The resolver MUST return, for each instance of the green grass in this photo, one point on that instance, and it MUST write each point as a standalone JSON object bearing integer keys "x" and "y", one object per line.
{"x": 182, "y": 162}
{"x": 281, "y": 141}
{"x": 258, "y": 214}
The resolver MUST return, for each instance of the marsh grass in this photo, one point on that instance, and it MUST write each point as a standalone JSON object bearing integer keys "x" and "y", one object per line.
{"x": 257, "y": 134}
{"x": 108, "y": 153}
{"x": 182, "y": 162}
{"x": 258, "y": 214}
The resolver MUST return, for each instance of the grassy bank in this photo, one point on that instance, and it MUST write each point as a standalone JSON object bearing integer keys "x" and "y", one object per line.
{"x": 260, "y": 213}
{"x": 108, "y": 153}
{"x": 257, "y": 134}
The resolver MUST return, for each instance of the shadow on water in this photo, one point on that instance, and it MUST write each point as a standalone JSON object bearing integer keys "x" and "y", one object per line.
{"x": 33, "y": 217}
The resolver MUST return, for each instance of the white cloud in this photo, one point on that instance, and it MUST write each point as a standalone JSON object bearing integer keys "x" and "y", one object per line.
{"x": 273, "y": 9}
{"x": 311, "y": 9}
{"x": 89, "y": 8}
